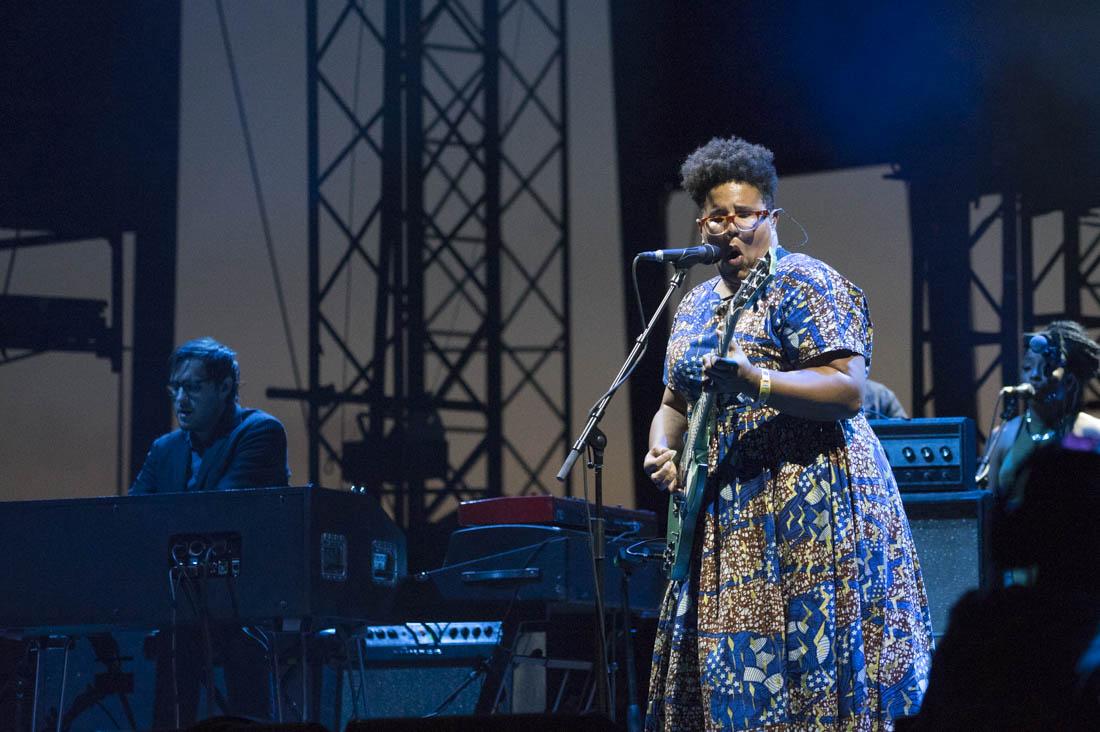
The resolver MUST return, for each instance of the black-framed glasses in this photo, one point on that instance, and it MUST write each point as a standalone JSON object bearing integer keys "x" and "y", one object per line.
{"x": 190, "y": 388}
{"x": 743, "y": 221}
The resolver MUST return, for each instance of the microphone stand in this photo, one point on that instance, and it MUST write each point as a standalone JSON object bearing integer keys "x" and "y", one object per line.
{"x": 592, "y": 438}
{"x": 628, "y": 564}
{"x": 1009, "y": 409}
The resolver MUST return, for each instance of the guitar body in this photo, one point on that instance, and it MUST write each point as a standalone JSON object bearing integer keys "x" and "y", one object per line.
{"x": 683, "y": 514}
{"x": 684, "y": 507}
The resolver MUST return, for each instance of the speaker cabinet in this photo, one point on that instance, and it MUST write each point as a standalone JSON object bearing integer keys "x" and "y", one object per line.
{"x": 405, "y": 691}
{"x": 951, "y": 533}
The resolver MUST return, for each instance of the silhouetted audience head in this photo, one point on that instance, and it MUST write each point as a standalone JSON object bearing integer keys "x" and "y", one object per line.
{"x": 1027, "y": 657}
{"x": 1054, "y": 528}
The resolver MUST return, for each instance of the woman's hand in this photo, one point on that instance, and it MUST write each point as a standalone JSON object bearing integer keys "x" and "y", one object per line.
{"x": 660, "y": 465}
{"x": 666, "y": 433}
{"x": 733, "y": 374}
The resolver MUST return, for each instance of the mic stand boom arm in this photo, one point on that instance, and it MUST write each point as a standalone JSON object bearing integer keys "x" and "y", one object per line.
{"x": 592, "y": 437}
{"x": 600, "y": 407}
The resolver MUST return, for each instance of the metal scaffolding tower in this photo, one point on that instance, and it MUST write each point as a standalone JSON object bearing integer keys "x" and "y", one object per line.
{"x": 438, "y": 249}
{"x": 91, "y": 163}
{"x": 30, "y": 325}
{"x": 1061, "y": 270}
{"x": 984, "y": 272}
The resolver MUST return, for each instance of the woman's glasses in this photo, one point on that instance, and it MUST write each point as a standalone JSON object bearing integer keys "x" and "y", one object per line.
{"x": 743, "y": 221}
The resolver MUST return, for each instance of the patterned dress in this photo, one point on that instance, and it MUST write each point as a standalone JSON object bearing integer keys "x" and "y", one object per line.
{"x": 805, "y": 607}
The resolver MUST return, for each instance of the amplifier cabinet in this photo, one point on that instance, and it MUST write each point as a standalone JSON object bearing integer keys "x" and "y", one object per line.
{"x": 951, "y": 533}
{"x": 931, "y": 454}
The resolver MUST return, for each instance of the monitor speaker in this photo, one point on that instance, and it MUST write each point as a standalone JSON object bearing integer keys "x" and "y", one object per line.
{"x": 411, "y": 690}
{"x": 951, "y": 533}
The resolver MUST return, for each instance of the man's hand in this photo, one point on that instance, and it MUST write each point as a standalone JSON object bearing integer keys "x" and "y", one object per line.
{"x": 660, "y": 466}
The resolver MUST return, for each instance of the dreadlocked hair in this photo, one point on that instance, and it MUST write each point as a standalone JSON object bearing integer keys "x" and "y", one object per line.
{"x": 1082, "y": 354}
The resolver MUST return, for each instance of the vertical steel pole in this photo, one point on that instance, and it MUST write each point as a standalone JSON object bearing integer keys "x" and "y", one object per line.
{"x": 314, "y": 242}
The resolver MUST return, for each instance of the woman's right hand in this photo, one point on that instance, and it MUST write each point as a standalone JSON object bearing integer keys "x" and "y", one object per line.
{"x": 660, "y": 465}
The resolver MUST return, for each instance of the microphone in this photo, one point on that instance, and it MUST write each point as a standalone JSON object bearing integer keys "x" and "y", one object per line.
{"x": 685, "y": 257}
{"x": 1024, "y": 389}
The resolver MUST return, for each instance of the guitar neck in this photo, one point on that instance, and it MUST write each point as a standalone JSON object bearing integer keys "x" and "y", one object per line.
{"x": 698, "y": 432}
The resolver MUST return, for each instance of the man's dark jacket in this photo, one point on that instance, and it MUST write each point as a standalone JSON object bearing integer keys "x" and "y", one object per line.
{"x": 248, "y": 451}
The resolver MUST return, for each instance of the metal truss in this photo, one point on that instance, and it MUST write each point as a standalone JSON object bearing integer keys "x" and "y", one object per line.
{"x": 1021, "y": 268}
{"x": 1061, "y": 272}
{"x": 31, "y": 325}
{"x": 438, "y": 240}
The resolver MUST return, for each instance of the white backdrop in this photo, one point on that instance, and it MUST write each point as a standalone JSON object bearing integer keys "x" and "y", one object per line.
{"x": 58, "y": 412}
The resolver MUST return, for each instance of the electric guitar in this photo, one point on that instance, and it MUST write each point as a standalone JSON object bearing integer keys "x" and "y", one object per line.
{"x": 684, "y": 506}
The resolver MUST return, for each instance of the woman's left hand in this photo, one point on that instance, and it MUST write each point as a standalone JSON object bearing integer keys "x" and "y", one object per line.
{"x": 733, "y": 374}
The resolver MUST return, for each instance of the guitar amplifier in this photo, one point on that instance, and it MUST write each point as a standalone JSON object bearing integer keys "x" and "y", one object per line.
{"x": 930, "y": 454}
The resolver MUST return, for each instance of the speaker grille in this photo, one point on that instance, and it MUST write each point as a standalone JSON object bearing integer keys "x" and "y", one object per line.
{"x": 949, "y": 531}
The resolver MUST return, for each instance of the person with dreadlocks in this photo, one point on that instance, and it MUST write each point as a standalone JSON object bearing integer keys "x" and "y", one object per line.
{"x": 1057, "y": 366}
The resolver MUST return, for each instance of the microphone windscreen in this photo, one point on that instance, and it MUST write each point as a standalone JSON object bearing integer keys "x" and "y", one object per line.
{"x": 1038, "y": 344}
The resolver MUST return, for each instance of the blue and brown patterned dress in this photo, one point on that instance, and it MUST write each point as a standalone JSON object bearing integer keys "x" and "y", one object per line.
{"x": 805, "y": 607}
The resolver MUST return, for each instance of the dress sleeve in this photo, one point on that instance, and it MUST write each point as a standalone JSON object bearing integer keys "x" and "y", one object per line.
{"x": 821, "y": 313}
{"x": 691, "y": 337}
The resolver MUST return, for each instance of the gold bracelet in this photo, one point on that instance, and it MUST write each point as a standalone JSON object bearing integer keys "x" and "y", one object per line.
{"x": 765, "y": 387}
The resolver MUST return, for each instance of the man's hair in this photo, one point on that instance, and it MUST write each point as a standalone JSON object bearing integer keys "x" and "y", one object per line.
{"x": 218, "y": 360}
{"x": 725, "y": 160}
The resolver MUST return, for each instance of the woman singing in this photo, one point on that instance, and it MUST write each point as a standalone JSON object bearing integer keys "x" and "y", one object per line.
{"x": 1057, "y": 364}
{"x": 804, "y": 607}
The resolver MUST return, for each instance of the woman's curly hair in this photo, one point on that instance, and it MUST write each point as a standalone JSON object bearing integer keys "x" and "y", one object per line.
{"x": 724, "y": 160}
